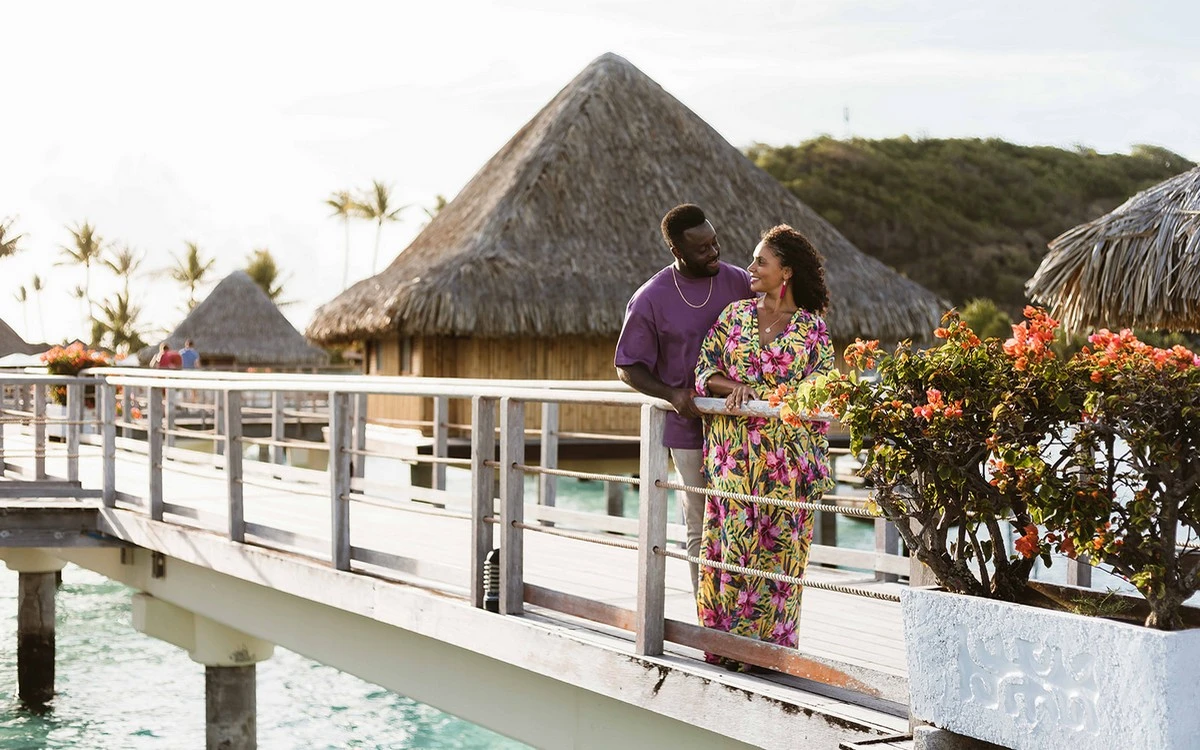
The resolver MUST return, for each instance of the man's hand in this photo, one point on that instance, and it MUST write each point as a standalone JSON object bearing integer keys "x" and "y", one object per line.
{"x": 684, "y": 401}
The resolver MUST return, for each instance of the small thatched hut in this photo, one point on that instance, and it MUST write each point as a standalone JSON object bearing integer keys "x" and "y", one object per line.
{"x": 238, "y": 326}
{"x": 12, "y": 343}
{"x": 1136, "y": 266}
{"x": 525, "y": 274}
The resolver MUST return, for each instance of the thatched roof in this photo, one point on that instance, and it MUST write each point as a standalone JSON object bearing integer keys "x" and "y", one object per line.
{"x": 558, "y": 229}
{"x": 1138, "y": 266}
{"x": 12, "y": 343}
{"x": 239, "y": 321}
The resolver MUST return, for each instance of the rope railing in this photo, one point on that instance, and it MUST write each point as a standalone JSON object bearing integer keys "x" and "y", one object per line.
{"x": 755, "y": 499}
{"x": 803, "y": 582}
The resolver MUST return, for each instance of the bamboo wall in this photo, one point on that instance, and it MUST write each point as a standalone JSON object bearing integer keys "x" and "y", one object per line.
{"x": 567, "y": 358}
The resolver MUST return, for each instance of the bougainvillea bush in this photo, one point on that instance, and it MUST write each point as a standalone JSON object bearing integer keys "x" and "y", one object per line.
{"x": 973, "y": 442}
{"x": 70, "y": 360}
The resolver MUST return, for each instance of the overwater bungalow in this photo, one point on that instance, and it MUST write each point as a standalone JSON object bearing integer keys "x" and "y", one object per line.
{"x": 238, "y": 327}
{"x": 525, "y": 274}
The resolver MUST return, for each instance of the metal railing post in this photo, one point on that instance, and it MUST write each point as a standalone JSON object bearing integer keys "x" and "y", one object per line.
{"x": 39, "y": 431}
{"x": 107, "y": 394}
{"x": 73, "y": 428}
{"x": 233, "y": 464}
{"x": 441, "y": 435}
{"x": 154, "y": 450}
{"x": 358, "y": 464}
{"x": 547, "y": 484}
{"x": 278, "y": 428}
{"x": 512, "y": 506}
{"x": 339, "y": 478}
{"x": 170, "y": 401}
{"x": 652, "y": 535}
{"x": 483, "y": 481}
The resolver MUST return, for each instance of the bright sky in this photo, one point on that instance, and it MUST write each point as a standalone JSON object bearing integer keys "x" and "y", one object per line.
{"x": 229, "y": 123}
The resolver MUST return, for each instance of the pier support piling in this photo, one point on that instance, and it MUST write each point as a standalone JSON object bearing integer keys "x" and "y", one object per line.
{"x": 36, "y": 587}
{"x": 230, "y": 707}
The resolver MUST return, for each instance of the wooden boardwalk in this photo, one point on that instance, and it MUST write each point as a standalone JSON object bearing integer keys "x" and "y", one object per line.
{"x": 293, "y": 515}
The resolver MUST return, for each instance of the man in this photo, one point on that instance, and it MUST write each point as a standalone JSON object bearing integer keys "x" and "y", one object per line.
{"x": 166, "y": 359}
{"x": 665, "y": 323}
{"x": 188, "y": 356}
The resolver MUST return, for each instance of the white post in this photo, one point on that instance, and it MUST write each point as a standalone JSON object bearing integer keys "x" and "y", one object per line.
{"x": 74, "y": 426}
{"x": 233, "y": 464}
{"x": 126, "y": 409}
{"x": 171, "y": 400}
{"x": 548, "y": 485}
{"x": 218, "y": 423}
{"x": 3, "y": 424}
{"x": 441, "y": 433}
{"x": 512, "y": 506}
{"x": 358, "y": 464}
{"x": 107, "y": 393}
{"x": 483, "y": 482}
{"x": 339, "y": 478}
{"x": 278, "y": 428}
{"x": 39, "y": 432}
{"x": 887, "y": 542}
{"x": 154, "y": 450}
{"x": 652, "y": 535}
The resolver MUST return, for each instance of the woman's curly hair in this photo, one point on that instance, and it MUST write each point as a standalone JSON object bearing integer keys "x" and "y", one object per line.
{"x": 808, "y": 267}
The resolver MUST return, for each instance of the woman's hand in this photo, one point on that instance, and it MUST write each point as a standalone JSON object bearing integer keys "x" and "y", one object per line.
{"x": 738, "y": 397}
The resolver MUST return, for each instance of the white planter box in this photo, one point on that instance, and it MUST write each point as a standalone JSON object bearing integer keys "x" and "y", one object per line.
{"x": 1025, "y": 677}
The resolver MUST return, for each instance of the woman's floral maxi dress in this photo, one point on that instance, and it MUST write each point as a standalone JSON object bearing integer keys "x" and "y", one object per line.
{"x": 765, "y": 458}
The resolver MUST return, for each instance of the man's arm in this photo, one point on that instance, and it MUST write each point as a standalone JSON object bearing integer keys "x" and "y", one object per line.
{"x": 639, "y": 377}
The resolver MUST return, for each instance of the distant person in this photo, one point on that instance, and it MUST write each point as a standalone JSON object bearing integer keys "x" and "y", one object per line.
{"x": 665, "y": 321}
{"x": 754, "y": 347}
{"x": 189, "y": 356}
{"x": 166, "y": 359}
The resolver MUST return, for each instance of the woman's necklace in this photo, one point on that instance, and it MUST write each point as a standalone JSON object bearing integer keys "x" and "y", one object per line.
{"x": 675, "y": 277}
{"x": 777, "y": 320}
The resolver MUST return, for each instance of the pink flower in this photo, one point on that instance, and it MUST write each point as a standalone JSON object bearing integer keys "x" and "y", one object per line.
{"x": 780, "y": 591}
{"x": 746, "y": 601}
{"x": 784, "y": 634}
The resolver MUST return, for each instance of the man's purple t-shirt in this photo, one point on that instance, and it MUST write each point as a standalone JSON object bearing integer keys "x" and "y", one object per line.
{"x": 664, "y": 333}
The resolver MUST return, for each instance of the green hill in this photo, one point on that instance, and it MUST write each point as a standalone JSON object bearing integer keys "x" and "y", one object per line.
{"x": 965, "y": 217}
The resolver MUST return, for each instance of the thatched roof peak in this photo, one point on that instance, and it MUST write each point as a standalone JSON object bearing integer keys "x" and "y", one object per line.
{"x": 12, "y": 343}
{"x": 239, "y": 321}
{"x": 560, "y": 226}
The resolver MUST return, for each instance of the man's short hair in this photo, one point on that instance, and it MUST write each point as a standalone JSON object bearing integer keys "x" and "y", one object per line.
{"x": 680, "y": 219}
{"x": 188, "y": 342}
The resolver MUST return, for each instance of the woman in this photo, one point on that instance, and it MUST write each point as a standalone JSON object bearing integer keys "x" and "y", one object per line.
{"x": 754, "y": 347}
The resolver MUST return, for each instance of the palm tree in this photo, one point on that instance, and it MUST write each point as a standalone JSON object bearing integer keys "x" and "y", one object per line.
{"x": 9, "y": 239}
{"x": 87, "y": 249}
{"x": 118, "y": 325}
{"x": 343, "y": 208}
{"x": 191, "y": 270}
{"x": 37, "y": 286}
{"x": 124, "y": 263}
{"x": 261, "y": 267}
{"x": 375, "y": 205}
{"x": 23, "y": 297}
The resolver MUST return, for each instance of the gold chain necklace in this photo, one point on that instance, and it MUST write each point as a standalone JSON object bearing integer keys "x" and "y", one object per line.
{"x": 675, "y": 278}
{"x": 777, "y": 320}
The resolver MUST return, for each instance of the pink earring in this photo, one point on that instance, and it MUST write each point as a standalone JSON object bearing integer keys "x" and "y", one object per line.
{"x": 782, "y": 291}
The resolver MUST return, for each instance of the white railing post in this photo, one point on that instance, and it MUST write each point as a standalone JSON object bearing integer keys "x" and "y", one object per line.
{"x": 358, "y": 464}
{"x": 1079, "y": 572}
{"x": 512, "y": 506}
{"x": 73, "y": 428}
{"x": 170, "y": 403}
{"x": 887, "y": 542}
{"x": 547, "y": 484}
{"x": 107, "y": 394}
{"x": 126, "y": 410}
{"x": 39, "y": 431}
{"x": 339, "y": 478}
{"x": 154, "y": 450}
{"x": 652, "y": 535}
{"x": 278, "y": 428}
{"x": 441, "y": 441}
{"x": 483, "y": 483}
{"x": 233, "y": 464}
{"x": 218, "y": 423}
{"x": 4, "y": 391}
